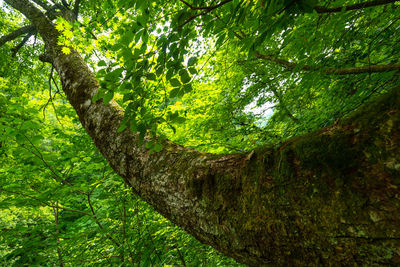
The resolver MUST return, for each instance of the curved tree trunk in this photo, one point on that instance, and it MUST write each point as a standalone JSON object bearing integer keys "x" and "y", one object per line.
{"x": 327, "y": 197}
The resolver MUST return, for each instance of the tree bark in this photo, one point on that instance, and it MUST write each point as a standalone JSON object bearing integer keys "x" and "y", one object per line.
{"x": 327, "y": 197}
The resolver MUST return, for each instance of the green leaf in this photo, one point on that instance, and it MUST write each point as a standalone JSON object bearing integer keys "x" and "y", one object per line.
{"x": 102, "y": 63}
{"x": 37, "y": 139}
{"x": 141, "y": 128}
{"x": 157, "y": 147}
{"x": 175, "y": 82}
{"x": 187, "y": 88}
{"x": 151, "y": 76}
{"x": 20, "y": 138}
{"x": 185, "y": 76}
{"x": 160, "y": 70}
{"x": 127, "y": 38}
{"x": 192, "y": 61}
{"x": 220, "y": 40}
{"x": 87, "y": 159}
{"x": 97, "y": 97}
{"x": 122, "y": 127}
{"x": 179, "y": 120}
{"x": 114, "y": 75}
{"x": 174, "y": 92}
{"x": 108, "y": 96}
{"x": 133, "y": 126}
{"x": 170, "y": 74}
{"x": 149, "y": 144}
{"x": 142, "y": 20}
{"x": 192, "y": 70}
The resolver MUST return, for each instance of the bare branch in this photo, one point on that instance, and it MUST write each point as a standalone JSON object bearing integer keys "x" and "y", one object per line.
{"x": 322, "y": 9}
{"x": 9, "y": 37}
{"x": 99, "y": 223}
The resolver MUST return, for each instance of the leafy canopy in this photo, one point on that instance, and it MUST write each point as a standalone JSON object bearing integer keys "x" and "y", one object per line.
{"x": 231, "y": 75}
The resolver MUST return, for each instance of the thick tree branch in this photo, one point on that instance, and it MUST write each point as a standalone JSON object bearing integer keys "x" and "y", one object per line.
{"x": 15, "y": 34}
{"x": 322, "y": 9}
{"x": 42, "y": 4}
{"x": 76, "y": 9}
{"x": 336, "y": 71}
{"x": 40, "y": 21}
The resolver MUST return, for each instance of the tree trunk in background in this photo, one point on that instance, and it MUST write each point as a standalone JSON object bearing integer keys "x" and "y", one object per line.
{"x": 327, "y": 197}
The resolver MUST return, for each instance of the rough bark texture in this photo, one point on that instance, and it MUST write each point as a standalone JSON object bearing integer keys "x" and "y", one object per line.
{"x": 329, "y": 197}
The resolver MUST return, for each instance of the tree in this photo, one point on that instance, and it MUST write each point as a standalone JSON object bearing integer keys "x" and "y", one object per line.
{"x": 327, "y": 196}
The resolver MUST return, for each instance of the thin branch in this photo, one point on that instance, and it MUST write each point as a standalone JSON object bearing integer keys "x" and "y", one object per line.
{"x": 56, "y": 216}
{"x": 98, "y": 222}
{"x": 206, "y": 11}
{"x": 322, "y": 9}
{"x": 40, "y": 156}
{"x": 363, "y": 69}
{"x": 181, "y": 257}
{"x": 336, "y": 71}
{"x": 64, "y": 3}
{"x": 45, "y": 203}
{"x": 9, "y": 37}
{"x": 21, "y": 44}
{"x": 51, "y": 98}
{"x": 205, "y": 7}
{"x": 283, "y": 105}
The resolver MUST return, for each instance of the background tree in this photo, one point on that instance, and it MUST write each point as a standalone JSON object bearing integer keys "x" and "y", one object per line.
{"x": 191, "y": 72}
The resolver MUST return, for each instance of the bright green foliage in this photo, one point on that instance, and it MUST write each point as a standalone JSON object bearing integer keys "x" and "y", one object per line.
{"x": 159, "y": 58}
{"x": 61, "y": 202}
{"x": 190, "y": 75}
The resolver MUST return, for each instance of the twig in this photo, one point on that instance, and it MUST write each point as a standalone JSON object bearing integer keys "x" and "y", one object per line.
{"x": 98, "y": 222}
{"x": 21, "y": 44}
{"x": 322, "y": 9}
{"x": 206, "y": 11}
{"x": 336, "y": 71}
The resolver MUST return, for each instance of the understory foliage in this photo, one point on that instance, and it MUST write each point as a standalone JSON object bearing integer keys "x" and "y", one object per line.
{"x": 61, "y": 203}
{"x": 217, "y": 76}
